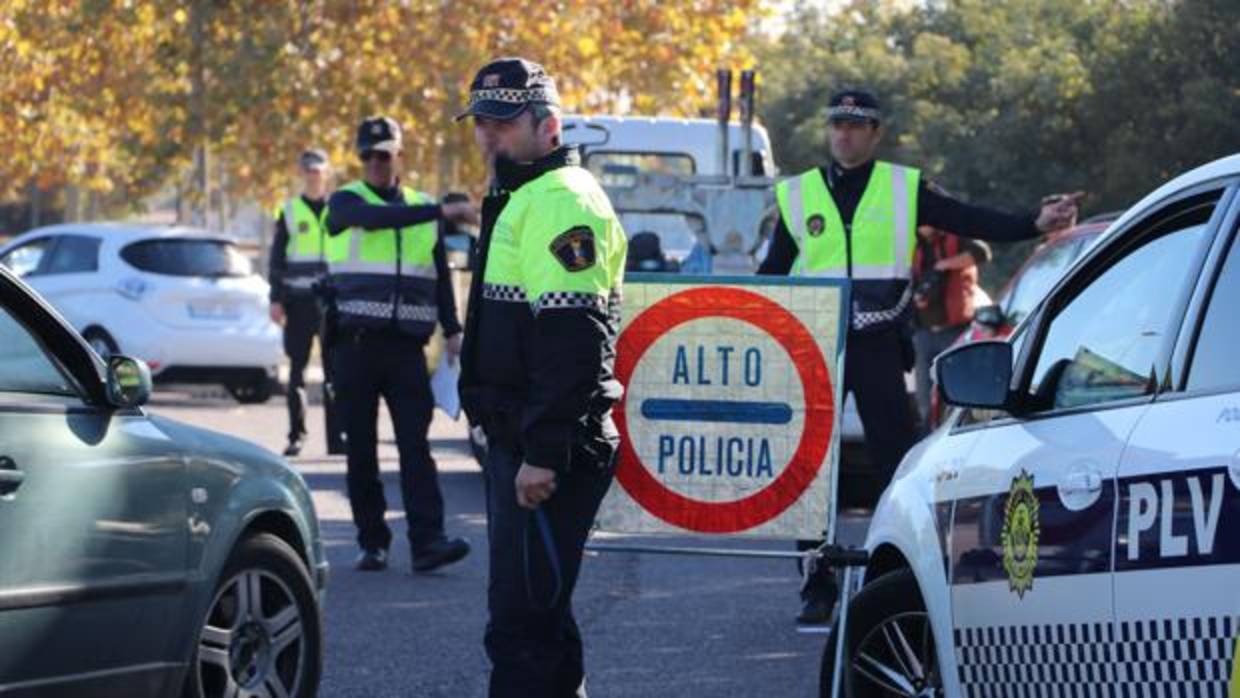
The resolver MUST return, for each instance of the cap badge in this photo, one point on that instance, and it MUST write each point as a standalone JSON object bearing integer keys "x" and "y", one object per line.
{"x": 491, "y": 80}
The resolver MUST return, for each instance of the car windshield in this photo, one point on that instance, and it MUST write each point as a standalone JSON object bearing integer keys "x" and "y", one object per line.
{"x": 188, "y": 257}
{"x": 1047, "y": 267}
{"x": 614, "y": 169}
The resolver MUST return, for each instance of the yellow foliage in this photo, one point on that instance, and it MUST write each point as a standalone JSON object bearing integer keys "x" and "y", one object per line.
{"x": 102, "y": 95}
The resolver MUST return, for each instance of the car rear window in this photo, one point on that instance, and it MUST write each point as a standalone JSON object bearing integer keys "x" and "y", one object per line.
{"x": 179, "y": 257}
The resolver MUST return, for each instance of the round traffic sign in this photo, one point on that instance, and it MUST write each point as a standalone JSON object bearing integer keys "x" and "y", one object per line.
{"x": 811, "y": 368}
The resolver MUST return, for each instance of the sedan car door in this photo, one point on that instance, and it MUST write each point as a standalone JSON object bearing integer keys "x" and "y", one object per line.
{"x": 1031, "y": 580}
{"x": 1177, "y": 547}
{"x": 93, "y": 521}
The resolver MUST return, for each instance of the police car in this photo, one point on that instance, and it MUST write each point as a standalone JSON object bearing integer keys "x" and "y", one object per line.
{"x": 1073, "y": 529}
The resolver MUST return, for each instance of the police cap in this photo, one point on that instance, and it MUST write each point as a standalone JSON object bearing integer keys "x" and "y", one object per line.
{"x": 854, "y": 105}
{"x": 379, "y": 133}
{"x": 506, "y": 87}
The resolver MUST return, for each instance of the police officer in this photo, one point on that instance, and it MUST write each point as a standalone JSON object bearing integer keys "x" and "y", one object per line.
{"x": 390, "y": 285}
{"x": 296, "y": 267}
{"x": 537, "y": 373}
{"x": 856, "y": 219}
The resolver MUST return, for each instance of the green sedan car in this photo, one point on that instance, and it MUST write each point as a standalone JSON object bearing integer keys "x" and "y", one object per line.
{"x": 140, "y": 556}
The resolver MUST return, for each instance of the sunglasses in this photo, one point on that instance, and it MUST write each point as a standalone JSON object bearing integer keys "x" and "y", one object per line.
{"x": 380, "y": 155}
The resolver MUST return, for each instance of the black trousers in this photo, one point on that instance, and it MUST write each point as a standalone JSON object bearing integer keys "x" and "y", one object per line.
{"x": 367, "y": 367}
{"x": 303, "y": 322}
{"x": 874, "y": 366}
{"x": 532, "y": 637}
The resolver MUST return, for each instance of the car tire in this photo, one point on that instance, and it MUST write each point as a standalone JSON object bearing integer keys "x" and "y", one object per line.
{"x": 279, "y": 639}
{"x": 252, "y": 392}
{"x": 102, "y": 342}
{"x": 889, "y": 604}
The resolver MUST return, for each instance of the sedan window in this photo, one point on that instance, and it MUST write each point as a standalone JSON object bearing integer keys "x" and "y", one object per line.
{"x": 1104, "y": 343}
{"x": 74, "y": 254}
{"x": 24, "y": 366}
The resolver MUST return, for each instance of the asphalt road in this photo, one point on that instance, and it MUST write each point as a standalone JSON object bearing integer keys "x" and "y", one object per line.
{"x": 654, "y": 625}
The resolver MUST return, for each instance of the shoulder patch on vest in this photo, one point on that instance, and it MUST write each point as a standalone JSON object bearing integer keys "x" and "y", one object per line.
{"x": 574, "y": 248}
{"x": 815, "y": 224}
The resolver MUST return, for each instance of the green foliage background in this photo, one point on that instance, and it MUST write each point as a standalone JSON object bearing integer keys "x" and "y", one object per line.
{"x": 1002, "y": 101}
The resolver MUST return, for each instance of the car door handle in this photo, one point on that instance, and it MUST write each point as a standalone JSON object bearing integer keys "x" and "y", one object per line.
{"x": 1081, "y": 483}
{"x": 10, "y": 477}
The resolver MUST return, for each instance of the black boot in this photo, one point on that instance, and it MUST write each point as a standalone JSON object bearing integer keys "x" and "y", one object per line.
{"x": 442, "y": 552}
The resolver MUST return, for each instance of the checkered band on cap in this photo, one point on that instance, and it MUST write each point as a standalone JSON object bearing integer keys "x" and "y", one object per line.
{"x": 509, "y": 95}
{"x": 852, "y": 110}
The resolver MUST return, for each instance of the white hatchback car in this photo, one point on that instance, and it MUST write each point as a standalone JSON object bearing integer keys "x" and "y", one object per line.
{"x": 1074, "y": 528}
{"x": 186, "y": 301}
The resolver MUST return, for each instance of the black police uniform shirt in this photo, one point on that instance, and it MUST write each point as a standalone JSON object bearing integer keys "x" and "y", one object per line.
{"x": 542, "y": 405}
{"x": 278, "y": 264}
{"x": 934, "y": 208}
{"x": 346, "y": 209}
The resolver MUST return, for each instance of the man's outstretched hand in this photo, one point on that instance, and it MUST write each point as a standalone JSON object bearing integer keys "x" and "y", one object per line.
{"x": 1059, "y": 211}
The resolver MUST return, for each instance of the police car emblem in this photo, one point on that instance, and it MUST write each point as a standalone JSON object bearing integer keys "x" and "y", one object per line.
{"x": 815, "y": 224}
{"x": 1021, "y": 530}
{"x": 574, "y": 248}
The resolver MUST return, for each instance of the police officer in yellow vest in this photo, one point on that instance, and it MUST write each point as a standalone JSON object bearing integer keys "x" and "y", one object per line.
{"x": 537, "y": 373}
{"x": 296, "y": 265}
{"x": 856, "y": 219}
{"x": 389, "y": 287}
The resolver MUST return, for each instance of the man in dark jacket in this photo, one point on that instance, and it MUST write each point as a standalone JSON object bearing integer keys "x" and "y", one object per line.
{"x": 537, "y": 373}
{"x": 390, "y": 285}
{"x": 855, "y": 219}
{"x": 296, "y": 266}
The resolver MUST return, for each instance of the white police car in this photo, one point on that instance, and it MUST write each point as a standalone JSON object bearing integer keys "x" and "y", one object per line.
{"x": 1074, "y": 528}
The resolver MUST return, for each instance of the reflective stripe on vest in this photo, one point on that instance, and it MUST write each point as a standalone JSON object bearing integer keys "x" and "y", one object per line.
{"x": 522, "y": 265}
{"x": 884, "y": 226}
{"x": 305, "y": 232}
{"x": 358, "y": 251}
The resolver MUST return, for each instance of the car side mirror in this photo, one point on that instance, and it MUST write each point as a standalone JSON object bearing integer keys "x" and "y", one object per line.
{"x": 128, "y": 381}
{"x": 977, "y": 375}
{"x": 989, "y": 316}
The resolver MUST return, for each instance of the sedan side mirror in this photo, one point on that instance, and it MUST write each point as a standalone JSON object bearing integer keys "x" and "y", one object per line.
{"x": 128, "y": 382}
{"x": 977, "y": 375}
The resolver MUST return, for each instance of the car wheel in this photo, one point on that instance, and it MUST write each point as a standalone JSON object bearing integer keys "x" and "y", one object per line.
{"x": 251, "y": 392}
{"x": 262, "y": 633}
{"x": 890, "y": 650}
{"x": 101, "y": 342}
